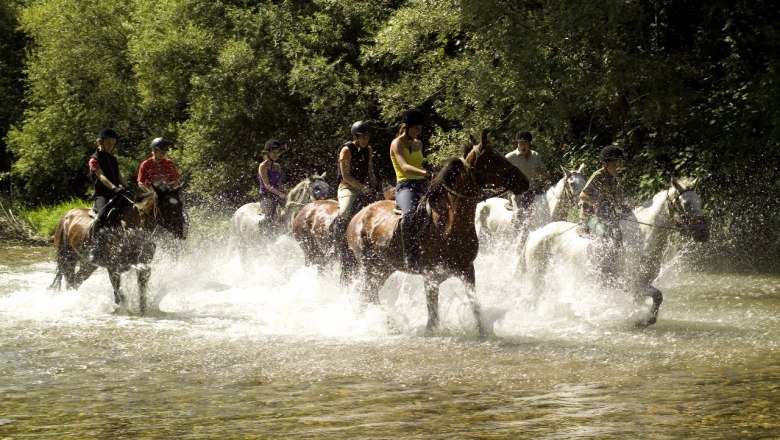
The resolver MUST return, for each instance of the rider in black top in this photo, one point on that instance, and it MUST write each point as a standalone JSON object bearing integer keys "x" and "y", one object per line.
{"x": 357, "y": 180}
{"x": 108, "y": 191}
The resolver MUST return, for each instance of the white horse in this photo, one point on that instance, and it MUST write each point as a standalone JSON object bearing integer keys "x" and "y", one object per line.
{"x": 495, "y": 216}
{"x": 249, "y": 226}
{"x": 645, "y": 234}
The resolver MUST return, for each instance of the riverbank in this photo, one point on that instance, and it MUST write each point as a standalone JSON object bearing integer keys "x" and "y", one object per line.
{"x": 14, "y": 232}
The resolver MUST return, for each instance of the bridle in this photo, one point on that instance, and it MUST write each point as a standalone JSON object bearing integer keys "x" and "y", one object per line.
{"x": 567, "y": 191}
{"x": 472, "y": 174}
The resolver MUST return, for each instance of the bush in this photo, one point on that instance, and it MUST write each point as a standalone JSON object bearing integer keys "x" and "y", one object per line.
{"x": 43, "y": 219}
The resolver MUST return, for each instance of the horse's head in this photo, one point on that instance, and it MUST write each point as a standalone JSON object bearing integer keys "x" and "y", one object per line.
{"x": 490, "y": 168}
{"x": 685, "y": 207}
{"x": 575, "y": 180}
{"x": 318, "y": 188}
{"x": 162, "y": 206}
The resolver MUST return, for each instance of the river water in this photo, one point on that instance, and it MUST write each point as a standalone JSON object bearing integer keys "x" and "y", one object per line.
{"x": 278, "y": 351}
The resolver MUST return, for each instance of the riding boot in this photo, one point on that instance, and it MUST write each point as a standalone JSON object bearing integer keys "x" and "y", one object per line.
{"x": 96, "y": 249}
{"x": 337, "y": 230}
{"x": 411, "y": 249}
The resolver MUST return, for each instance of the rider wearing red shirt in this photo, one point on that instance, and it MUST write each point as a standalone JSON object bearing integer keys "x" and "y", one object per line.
{"x": 158, "y": 168}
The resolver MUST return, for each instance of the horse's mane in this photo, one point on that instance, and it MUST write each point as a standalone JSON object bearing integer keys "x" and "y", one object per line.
{"x": 443, "y": 180}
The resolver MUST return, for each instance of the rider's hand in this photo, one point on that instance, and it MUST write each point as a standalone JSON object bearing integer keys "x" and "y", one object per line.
{"x": 118, "y": 190}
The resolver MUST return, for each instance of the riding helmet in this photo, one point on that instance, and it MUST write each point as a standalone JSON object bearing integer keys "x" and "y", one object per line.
{"x": 108, "y": 133}
{"x": 360, "y": 127}
{"x": 413, "y": 117}
{"x": 524, "y": 135}
{"x": 161, "y": 144}
{"x": 610, "y": 153}
{"x": 272, "y": 144}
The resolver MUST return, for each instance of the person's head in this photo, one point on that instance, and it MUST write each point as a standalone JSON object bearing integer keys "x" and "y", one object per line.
{"x": 412, "y": 122}
{"x": 523, "y": 139}
{"x": 107, "y": 139}
{"x": 272, "y": 149}
{"x": 160, "y": 147}
{"x": 611, "y": 158}
{"x": 361, "y": 132}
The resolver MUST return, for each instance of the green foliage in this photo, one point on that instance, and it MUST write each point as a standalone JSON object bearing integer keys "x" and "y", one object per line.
{"x": 685, "y": 87}
{"x": 44, "y": 218}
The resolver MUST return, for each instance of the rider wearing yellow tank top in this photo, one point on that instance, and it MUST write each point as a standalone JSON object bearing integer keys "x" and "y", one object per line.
{"x": 407, "y": 157}
{"x": 413, "y": 158}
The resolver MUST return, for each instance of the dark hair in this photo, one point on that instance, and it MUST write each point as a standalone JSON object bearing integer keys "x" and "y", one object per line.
{"x": 524, "y": 135}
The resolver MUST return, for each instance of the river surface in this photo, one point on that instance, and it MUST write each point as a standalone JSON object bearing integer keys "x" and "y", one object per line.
{"x": 278, "y": 351}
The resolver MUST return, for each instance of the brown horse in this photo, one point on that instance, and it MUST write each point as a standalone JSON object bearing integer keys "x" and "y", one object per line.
{"x": 448, "y": 244}
{"x": 312, "y": 227}
{"x": 129, "y": 243}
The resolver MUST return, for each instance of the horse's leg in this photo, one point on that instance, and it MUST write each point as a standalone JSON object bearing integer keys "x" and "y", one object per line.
{"x": 469, "y": 278}
{"x": 143, "y": 280}
{"x": 84, "y": 272}
{"x": 116, "y": 278}
{"x": 432, "y": 300}
{"x": 658, "y": 298}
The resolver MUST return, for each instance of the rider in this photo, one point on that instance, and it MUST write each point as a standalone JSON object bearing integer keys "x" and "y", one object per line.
{"x": 531, "y": 164}
{"x": 602, "y": 209}
{"x": 269, "y": 176}
{"x": 109, "y": 191}
{"x": 356, "y": 168}
{"x": 407, "y": 156}
{"x": 157, "y": 169}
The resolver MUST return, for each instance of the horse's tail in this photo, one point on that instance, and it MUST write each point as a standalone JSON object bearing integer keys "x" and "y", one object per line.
{"x": 61, "y": 247}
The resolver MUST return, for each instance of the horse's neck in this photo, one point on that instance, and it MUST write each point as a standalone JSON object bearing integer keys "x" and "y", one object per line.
{"x": 298, "y": 194}
{"x": 653, "y": 224}
{"x": 556, "y": 199}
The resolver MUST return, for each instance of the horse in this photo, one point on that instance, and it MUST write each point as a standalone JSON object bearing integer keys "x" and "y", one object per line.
{"x": 312, "y": 226}
{"x": 448, "y": 244}
{"x": 495, "y": 218}
{"x": 131, "y": 242}
{"x": 646, "y": 232}
{"x": 249, "y": 225}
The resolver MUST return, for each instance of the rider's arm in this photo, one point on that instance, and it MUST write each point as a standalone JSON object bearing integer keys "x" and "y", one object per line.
{"x": 142, "y": 177}
{"x": 397, "y": 150}
{"x": 103, "y": 179}
{"x": 345, "y": 161}
{"x": 585, "y": 198}
{"x": 262, "y": 170}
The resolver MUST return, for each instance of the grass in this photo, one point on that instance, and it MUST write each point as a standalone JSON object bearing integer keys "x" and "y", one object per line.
{"x": 43, "y": 219}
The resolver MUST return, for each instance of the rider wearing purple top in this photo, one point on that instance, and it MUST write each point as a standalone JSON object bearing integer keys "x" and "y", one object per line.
{"x": 270, "y": 176}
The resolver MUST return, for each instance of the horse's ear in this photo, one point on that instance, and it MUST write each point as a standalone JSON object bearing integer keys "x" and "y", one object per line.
{"x": 322, "y": 176}
{"x": 581, "y": 169}
{"x": 677, "y": 185}
{"x": 484, "y": 139}
{"x": 695, "y": 183}
{"x": 565, "y": 171}
{"x": 473, "y": 139}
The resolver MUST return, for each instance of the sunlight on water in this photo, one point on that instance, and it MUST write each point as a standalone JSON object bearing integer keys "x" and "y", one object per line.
{"x": 277, "y": 349}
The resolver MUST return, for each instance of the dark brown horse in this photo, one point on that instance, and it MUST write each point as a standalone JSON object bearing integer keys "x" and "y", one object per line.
{"x": 448, "y": 244}
{"x": 128, "y": 244}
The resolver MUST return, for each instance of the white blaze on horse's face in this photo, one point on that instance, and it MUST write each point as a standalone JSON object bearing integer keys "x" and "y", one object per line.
{"x": 173, "y": 201}
{"x": 576, "y": 182}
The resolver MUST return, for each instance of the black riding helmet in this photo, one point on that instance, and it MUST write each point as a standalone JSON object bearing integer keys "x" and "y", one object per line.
{"x": 272, "y": 144}
{"x": 108, "y": 133}
{"x": 524, "y": 135}
{"x": 161, "y": 144}
{"x": 413, "y": 117}
{"x": 360, "y": 127}
{"x": 610, "y": 153}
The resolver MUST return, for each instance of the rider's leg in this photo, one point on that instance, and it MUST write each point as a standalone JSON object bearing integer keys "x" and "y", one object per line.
{"x": 346, "y": 198}
{"x": 406, "y": 198}
{"x": 102, "y": 207}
